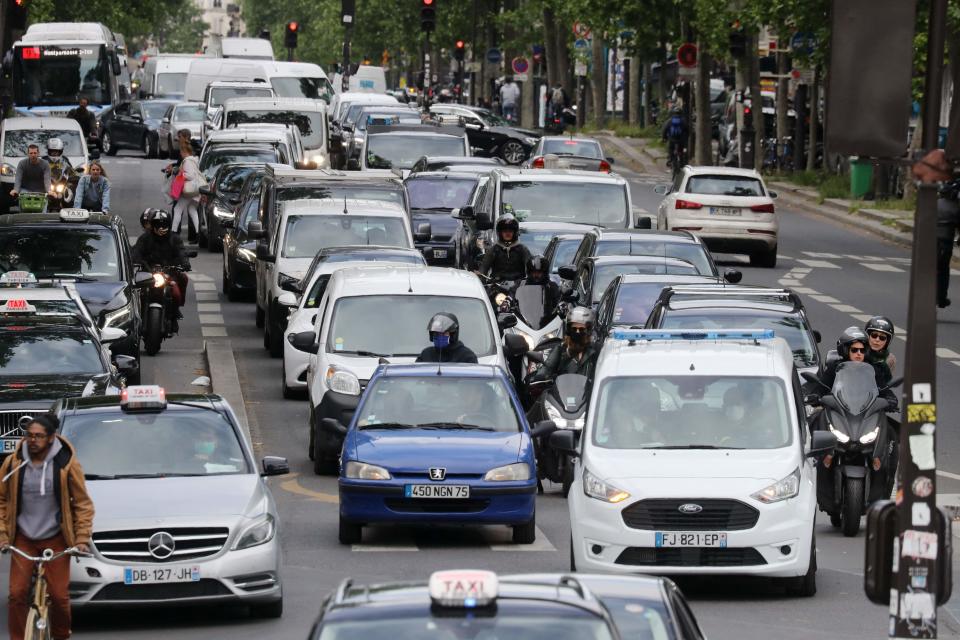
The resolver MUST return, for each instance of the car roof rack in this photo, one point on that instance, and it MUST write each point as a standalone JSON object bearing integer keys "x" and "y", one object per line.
{"x": 775, "y": 295}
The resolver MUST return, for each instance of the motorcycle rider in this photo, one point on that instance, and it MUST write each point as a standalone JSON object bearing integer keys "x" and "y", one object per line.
{"x": 879, "y": 332}
{"x": 60, "y": 165}
{"x": 84, "y": 117}
{"x": 161, "y": 248}
{"x": 537, "y": 274}
{"x": 852, "y": 347}
{"x": 577, "y": 354}
{"x": 508, "y": 258}
{"x": 444, "y": 331}
{"x": 676, "y": 132}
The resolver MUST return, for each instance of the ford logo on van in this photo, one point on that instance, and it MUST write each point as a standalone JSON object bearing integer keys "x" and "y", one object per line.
{"x": 689, "y": 508}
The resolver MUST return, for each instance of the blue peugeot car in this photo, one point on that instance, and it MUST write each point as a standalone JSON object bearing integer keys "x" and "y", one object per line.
{"x": 437, "y": 444}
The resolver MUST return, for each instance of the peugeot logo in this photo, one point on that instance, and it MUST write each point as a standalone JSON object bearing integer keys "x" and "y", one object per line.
{"x": 437, "y": 473}
{"x": 689, "y": 508}
{"x": 161, "y": 545}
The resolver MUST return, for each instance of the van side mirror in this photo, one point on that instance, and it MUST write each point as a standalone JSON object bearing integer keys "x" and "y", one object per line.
{"x": 423, "y": 232}
{"x": 643, "y": 222}
{"x": 255, "y": 230}
{"x": 464, "y": 213}
{"x": 484, "y": 220}
{"x": 263, "y": 253}
{"x": 821, "y": 442}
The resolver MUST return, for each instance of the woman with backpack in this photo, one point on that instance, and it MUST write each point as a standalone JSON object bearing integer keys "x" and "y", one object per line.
{"x": 93, "y": 189}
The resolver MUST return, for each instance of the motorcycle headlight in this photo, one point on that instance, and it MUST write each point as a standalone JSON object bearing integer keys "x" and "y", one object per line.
{"x": 260, "y": 532}
{"x": 59, "y": 188}
{"x": 363, "y": 471}
{"x": 247, "y": 255}
{"x": 841, "y": 436}
{"x": 594, "y": 487}
{"x": 343, "y": 382}
{"x": 508, "y": 473}
{"x": 782, "y": 489}
{"x": 223, "y": 214}
{"x": 118, "y": 316}
{"x": 870, "y": 437}
{"x": 159, "y": 280}
{"x": 499, "y": 298}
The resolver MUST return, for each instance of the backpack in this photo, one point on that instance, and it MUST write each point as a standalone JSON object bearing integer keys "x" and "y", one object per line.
{"x": 676, "y": 127}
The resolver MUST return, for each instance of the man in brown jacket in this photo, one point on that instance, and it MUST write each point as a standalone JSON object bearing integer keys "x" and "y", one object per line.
{"x": 43, "y": 505}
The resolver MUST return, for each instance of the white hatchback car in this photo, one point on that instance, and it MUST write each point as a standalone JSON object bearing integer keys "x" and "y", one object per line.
{"x": 730, "y": 209}
{"x": 696, "y": 459}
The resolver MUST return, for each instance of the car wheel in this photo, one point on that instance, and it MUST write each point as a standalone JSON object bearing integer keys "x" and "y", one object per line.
{"x": 764, "y": 259}
{"x": 805, "y": 586}
{"x": 107, "y": 143}
{"x": 275, "y": 342}
{"x": 350, "y": 533}
{"x": 267, "y": 609}
{"x": 289, "y": 393}
{"x": 525, "y": 533}
{"x": 513, "y": 152}
{"x": 261, "y": 316}
{"x": 150, "y": 146}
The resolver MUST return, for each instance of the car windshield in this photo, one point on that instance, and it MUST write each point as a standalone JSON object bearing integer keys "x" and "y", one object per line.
{"x": 789, "y": 326}
{"x": 219, "y": 95}
{"x": 213, "y": 158}
{"x": 635, "y": 301}
{"x": 310, "y": 123}
{"x": 394, "y": 325}
{"x": 444, "y": 402}
{"x": 16, "y": 141}
{"x": 60, "y": 251}
{"x": 603, "y": 205}
{"x": 585, "y": 148}
{"x": 399, "y": 151}
{"x": 354, "y": 191}
{"x": 47, "y": 349}
{"x": 440, "y": 193}
{"x": 637, "y": 246}
{"x": 155, "y": 110}
{"x": 603, "y": 275}
{"x": 305, "y": 235}
{"x": 692, "y": 412}
{"x": 173, "y": 442}
{"x": 170, "y": 84}
{"x": 724, "y": 186}
{"x": 231, "y": 181}
{"x": 636, "y": 618}
{"x": 564, "y": 253}
{"x": 312, "y": 88}
{"x": 189, "y": 113}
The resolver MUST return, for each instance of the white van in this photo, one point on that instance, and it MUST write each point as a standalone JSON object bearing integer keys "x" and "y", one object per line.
{"x": 310, "y": 117}
{"x": 204, "y": 71}
{"x": 165, "y": 76}
{"x": 367, "y": 79}
{"x": 288, "y": 79}
{"x": 249, "y": 48}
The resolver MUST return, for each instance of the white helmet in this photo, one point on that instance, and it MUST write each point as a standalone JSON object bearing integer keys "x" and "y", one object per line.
{"x": 55, "y": 144}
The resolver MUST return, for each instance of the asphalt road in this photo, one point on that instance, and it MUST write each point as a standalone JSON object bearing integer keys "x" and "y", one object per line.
{"x": 844, "y": 274}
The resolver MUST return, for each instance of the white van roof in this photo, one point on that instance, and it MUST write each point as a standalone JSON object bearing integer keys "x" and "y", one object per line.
{"x": 68, "y": 32}
{"x": 296, "y": 104}
{"x": 252, "y": 48}
{"x": 293, "y": 70}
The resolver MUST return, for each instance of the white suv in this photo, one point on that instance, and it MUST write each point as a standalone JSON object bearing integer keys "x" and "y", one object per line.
{"x": 695, "y": 459}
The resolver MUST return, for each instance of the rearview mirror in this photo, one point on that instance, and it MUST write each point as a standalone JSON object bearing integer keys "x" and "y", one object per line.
{"x": 464, "y": 213}
{"x": 263, "y": 253}
{"x": 733, "y": 276}
{"x": 661, "y": 189}
{"x": 567, "y": 272}
{"x": 609, "y": 160}
{"x": 143, "y": 280}
{"x": 506, "y": 320}
{"x": 423, "y": 232}
{"x": 292, "y": 286}
{"x": 484, "y": 220}
{"x": 112, "y": 334}
{"x": 773, "y": 194}
{"x": 274, "y": 466}
{"x": 643, "y": 222}
{"x": 821, "y": 442}
{"x": 564, "y": 441}
{"x": 305, "y": 341}
{"x": 817, "y": 335}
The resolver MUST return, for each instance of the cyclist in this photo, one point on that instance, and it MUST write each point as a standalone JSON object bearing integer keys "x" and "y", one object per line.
{"x": 44, "y": 504}
{"x": 675, "y": 133}
{"x": 33, "y": 173}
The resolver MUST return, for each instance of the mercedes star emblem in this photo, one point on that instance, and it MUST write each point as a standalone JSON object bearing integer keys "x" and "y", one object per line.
{"x": 161, "y": 545}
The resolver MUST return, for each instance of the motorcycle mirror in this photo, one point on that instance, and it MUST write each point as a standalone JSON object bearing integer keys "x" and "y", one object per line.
{"x": 332, "y": 425}
{"x": 817, "y": 336}
{"x": 143, "y": 280}
{"x": 506, "y": 320}
{"x": 564, "y": 441}
{"x": 543, "y": 428}
{"x": 567, "y": 272}
{"x": 821, "y": 442}
{"x": 733, "y": 276}
{"x": 255, "y": 230}
{"x": 514, "y": 344}
{"x": 535, "y": 356}
{"x": 896, "y": 382}
{"x": 548, "y": 343}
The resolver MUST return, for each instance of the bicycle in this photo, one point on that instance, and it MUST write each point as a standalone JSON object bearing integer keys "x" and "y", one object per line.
{"x": 38, "y": 618}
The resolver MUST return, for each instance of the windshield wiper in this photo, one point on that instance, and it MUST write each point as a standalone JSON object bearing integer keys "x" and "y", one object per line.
{"x": 454, "y": 425}
{"x": 98, "y": 476}
{"x": 368, "y": 354}
{"x": 434, "y": 208}
{"x": 140, "y": 476}
{"x": 388, "y": 425}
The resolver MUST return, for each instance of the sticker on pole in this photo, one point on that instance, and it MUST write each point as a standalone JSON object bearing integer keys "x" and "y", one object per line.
{"x": 922, "y": 392}
{"x": 919, "y": 544}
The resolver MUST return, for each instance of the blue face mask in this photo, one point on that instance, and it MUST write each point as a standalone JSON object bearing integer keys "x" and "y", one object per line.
{"x": 441, "y": 341}
{"x": 205, "y": 448}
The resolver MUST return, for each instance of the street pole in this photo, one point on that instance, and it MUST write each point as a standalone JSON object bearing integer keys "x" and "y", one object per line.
{"x": 915, "y": 567}
{"x": 460, "y": 81}
{"x": 427, "y": 72}
{"x": 345, "y": 84}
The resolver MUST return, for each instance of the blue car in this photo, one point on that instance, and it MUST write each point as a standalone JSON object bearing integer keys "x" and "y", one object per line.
{"x": 437, "y": 444}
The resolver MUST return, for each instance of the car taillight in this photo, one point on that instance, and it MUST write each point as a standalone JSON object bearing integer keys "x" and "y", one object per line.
{"x": 763, "y": 208}
{"x": 537, "y": 163}
{"x": 604, "y": 166}
{"x": 687, "y": 204}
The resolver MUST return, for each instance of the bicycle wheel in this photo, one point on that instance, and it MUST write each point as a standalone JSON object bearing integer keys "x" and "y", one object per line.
{"x": 37, "y": 627}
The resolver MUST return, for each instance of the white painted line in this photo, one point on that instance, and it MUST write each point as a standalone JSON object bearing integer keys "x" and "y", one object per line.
{"x": 902, "y": 336}
{"x": 845, "y": 308}
{"x": 819, "y": 264}
{"x": 213, "y": 332}
{"x": 789, "y": 283}
{"x": 947, "y": 474}
{"x": 785, "y": 257}
{"x": 207, "y": 296}
{"x": 943, "y": 352}
{"x": 881, "y": 267}
{"x": 862, "y": 317}
{"x": 954, "y": 272}
{"x": 542, "y": 543}
{"x": 820, "y": 255}
{"x": 803, "y": 270}
{"x": 211, "y": 318}
{"x": 861, "y": 258}
{"x": 204, "y": 286}
{"x": 210, "y": 307}
{"x": 956, "y": 362}
{"x": 383, "y": 548}
{"x": 898, "y": 260}
{"x": 826, "y": 299}
{"x": 807, "y": 291}
{"x": 200, "y": 277}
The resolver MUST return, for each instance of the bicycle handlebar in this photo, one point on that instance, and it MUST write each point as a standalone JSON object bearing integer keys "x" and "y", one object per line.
{"x": 48, "y": 555}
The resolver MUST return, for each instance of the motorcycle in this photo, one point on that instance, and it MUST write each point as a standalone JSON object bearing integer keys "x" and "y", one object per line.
{"x": 500, "y": 292}
{"x": 863, "y": 467}
{"x": 160, "y": 310}
{"x": 538, "y": 323}
{"x": 61, "y": 194}
{"x": 563, "y": 405}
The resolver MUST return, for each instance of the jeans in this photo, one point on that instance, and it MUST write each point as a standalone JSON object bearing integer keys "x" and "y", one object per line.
{"x": 58, "y": 587}
{"x": 510, "y": 112}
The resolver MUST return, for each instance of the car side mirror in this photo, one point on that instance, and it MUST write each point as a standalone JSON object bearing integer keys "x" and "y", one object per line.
{"x": 484, "y": 220}
{"x": 143, "y": 280}
{"x": 564, "y": 441}
{"x": 773, "y": 194}
{"x": 609, "y": 160}
{"x": 821, "y": 442}
{"x": 165, "y": 120}
{"x": 817, "y": 335}
{"x": 464, "y": 213}
{"x": 255, "y": 230}
{"x": 643, "y": 222}
{"x": 543, "y": 428}
{"x": 263, "y": 253}
{"x": 567, "y": 272}
{"x": 535, "y": 356}
{"x": 514, "y": 344}
{"x": 112, "y": 334}
{"x": 661, "y": 189}
{"x": 126, "y": 364}
{"x": 274, "y": 466}
{"x": 506, "y": 321}
{"x": 305, "y": 341}
{"x": 291, "y": 286}
{"x": 287, "y": 299}
{"x": 332, "y": 425}
{"x": 94, "y": 153}
{"x": 205, "y": 191}
{"x": 812, "y": 399}
{"x": 733, "y": 276}
{"x": 423, "y": 232}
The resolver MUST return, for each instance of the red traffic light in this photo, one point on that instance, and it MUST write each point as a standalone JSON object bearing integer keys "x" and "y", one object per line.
{"x": 427, "y": 3}
{"x": 460, "y": 44}
{"x": 292, "y": 26}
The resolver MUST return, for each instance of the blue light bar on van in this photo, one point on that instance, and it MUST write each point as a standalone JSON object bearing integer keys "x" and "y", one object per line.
{"x": 692, "y": 334}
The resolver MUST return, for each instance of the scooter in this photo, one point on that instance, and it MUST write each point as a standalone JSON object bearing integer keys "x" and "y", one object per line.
{"x": 160, "y": 310}
{"x": 863, "y": 466}
{"x": 536, "y": 323}
{"x": 563, "y": 406}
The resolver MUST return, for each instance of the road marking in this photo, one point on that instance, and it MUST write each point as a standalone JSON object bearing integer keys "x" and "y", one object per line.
{"x": 210, "y": 307}
{"x": 204, "y": 286}
{"x": 862, "y": 258}
{"x": 213, "y": 332}
{"x": 785, "y": 257}
{"x": 291, "y": 485}
{"x": 211, "y": 318}
{"x": 826, "y": 299}
{"x": 207, "y": 296}
{"x": 819, "y": 264}
{"x": 881, "y": 267}
{"x": 803, "y": 270}
{"x": 201, "y": 277}
{"x": 807, "y": 291}
{"x": 862, "y": 317}
{"x": 845, "y": 308}
{"x": 383, "y": 548}
{"x": 820, "y": 255}
{"x": 541, "y": 543}
{"x": 943, "y": 352}
{"x": 789, "y": 283}
{"x": 947, "y": 474}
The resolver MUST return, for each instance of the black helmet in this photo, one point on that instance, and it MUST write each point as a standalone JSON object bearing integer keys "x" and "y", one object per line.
{"x": 847, "y": 338}
{"x": 444, "y": 322}
{"x": 508, "y": 223}
{"x": 881, "y": 324}
{"x": 160, "y": 219}
{"x": 537, "y": 263}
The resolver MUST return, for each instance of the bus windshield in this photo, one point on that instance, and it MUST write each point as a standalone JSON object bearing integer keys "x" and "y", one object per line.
{"x": 61, "y": 75}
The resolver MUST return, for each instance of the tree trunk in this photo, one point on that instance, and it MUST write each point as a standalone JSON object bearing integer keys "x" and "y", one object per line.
{"x": 783, "y": 89}
{"x": 813, "y": 135}
{"x": 662, "y": 79}
{"x": 702, "y": 103}
{"x": 564, "y": 65}
{"x": 598, "y": 81}
{"x": 756, "y": 102}
{"x": 635, "y": 81}
{"x": 647, "y": 94}
{"x": 550, "y": 46}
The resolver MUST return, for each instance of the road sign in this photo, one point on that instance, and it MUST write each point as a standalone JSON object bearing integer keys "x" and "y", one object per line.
{"x": 494, "y": 56}
{"x": 802, "y": 42}
{"x": 687, "y": 55}
{"x": 581, "y": 30}
{"x": 521, "y": 77}
{"x": 537, "y": 52}
{"x": 520, "y": 64}
{"x": 580, "y": 44}
{"x": 580, "y": 68}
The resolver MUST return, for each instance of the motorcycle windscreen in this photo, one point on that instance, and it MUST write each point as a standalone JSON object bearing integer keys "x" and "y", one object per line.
{"x": 571, "y": 388}
{"x": 531, "y": 302}
{"x": 855, "y": 386}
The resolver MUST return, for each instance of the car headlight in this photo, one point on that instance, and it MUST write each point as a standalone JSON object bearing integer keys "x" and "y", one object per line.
{"x": 260, "y": 532}
{"x": 596, "y": 488}
{"x": 508, "y": 473}
{"x": 320, "y": 161}
{"x": 117, "y": 316}
{"x": 363, "y": 471}
{"x": 343, "y": 382}
{"x": 870, "y": 437}
{"x": 782, "y": 489}
{"x": 530, "y": 141}
{"x": 7, "y": 170}
{"x": 223, "y": 214}
{"x": 841, "y": 436}
{"x": 247, "y": 255}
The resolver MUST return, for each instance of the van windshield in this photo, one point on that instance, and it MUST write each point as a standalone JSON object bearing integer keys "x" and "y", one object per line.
{"x": 313, "y": 88}
{"x": 219, "y": 95}
{"x": 399, "y": 151}
{"x": 305, "y": 235}
{"x": 310, "y": 123}
{"x": 170, "y": 84}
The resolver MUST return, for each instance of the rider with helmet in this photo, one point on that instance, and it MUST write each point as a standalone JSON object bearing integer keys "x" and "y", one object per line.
{"x": 879, "y": 332}
{"x": 507, "y": 259}
{"x": 577, "y": 354}
{"x": 59, "y": 163}
{"x": 852, "y": 346}
{"x": 538, "y": 274}
{"x": 444, "y": 331}
{"x": 161, "y": 248}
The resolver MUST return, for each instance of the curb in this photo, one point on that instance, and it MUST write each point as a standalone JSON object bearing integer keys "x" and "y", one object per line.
{"x": 225, "y": 380}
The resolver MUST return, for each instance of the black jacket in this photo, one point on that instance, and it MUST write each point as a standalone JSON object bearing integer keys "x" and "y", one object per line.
{"x": 505, "y": 263}
{"x": 561, "y": 361}
{"x": 151, "y": 250}
{"x": 457, "y": 352}
{"x": 84, "y": 118}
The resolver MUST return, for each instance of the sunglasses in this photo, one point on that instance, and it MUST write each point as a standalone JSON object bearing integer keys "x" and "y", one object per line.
{"x": 857, "y": 350}
{"x": 578, "y": 332}
{"x": 876, "y": 335}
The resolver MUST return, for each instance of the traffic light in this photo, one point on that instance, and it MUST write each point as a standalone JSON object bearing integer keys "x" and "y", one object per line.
{"x": 17, "y": 14}
{"x": 290, "y": 36}
{"x": 428, "y": 15}
{"x": 738, "y": 43}
{"x": 458, "y": 50}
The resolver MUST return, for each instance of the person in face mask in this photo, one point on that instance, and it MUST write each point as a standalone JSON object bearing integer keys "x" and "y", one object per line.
{"x": 634, "y": 424}
{"x": 444, "y": 330}
{"x": 578, "y": 353}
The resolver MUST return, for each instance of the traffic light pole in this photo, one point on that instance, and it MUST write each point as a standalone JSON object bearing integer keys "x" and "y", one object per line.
{"x": 427, "y": 72}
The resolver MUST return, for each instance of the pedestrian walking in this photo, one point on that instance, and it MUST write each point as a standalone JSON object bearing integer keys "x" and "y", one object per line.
{"x": 948, "y": 220}
{"x": 509, "y": 99}
{"x": 186, "y": 189}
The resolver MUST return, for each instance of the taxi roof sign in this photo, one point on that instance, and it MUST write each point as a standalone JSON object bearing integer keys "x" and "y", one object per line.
{"x": 143, "y": 396}
{"x": 383, "y": 120}
{"x": 17, "y": 277}
{"x": 463, "y": 588}
{"x": 74, "y": 215}
{"x": 17, "y": 305}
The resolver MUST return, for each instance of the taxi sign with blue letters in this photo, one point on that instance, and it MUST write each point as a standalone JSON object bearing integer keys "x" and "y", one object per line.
{"x": 463, "y": 588}
{"x": 145, "y": 396}
{"x": 74, "y": 215}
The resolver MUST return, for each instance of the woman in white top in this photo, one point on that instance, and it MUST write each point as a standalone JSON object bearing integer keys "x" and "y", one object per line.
{"x": 187, "y": 205}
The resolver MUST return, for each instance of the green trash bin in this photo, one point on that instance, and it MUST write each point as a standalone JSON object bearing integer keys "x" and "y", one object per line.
{"x": 861, "y": 176}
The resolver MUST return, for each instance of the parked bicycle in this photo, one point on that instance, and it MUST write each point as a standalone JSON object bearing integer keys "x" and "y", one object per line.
{"x": 38, "y": 618}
